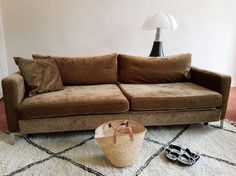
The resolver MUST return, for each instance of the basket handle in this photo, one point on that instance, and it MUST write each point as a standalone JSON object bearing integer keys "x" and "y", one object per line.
{"x": 118, "y": 129}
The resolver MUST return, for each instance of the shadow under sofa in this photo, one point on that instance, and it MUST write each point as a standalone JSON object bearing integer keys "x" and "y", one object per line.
{"x": 201, "y": 98}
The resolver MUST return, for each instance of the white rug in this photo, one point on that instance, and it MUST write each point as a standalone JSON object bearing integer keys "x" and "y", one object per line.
{"x": 77, "y": 153}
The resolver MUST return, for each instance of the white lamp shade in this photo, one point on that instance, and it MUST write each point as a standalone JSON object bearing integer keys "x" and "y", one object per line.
{"x": 173, "y": 22}
{"x": 160, "y": 20}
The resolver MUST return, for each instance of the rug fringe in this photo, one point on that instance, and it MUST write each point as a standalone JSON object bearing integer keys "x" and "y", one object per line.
{"x": 230, "y": 122}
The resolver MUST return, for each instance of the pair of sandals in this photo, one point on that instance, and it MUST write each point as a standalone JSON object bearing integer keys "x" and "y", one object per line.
{"x": 184, "y": 156}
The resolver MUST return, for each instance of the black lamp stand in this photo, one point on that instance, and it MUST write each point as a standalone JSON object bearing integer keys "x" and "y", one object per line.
{"x": 157, "y": 49}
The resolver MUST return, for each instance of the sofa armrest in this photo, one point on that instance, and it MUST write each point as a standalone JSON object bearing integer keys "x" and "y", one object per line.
{"x": 214, "y": 81}
{"x": 13, "y": 94}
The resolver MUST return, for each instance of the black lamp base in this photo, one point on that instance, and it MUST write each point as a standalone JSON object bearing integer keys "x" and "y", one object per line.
{"x": 157, "y": 49}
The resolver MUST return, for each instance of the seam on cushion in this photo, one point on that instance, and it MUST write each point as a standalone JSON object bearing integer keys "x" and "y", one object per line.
{"x": 163, "y": 98}
{"x": 65, "y": 115}
{"x": 188, "y": 108}
{"x": 111, "y": 104}
{"x": 125, "y": 94}
{"x": 214, "y": 105}
{"x": 68, "y": 104}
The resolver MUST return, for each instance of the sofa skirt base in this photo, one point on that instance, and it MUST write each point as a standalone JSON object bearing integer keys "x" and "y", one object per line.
{"x": 147, "y": 118}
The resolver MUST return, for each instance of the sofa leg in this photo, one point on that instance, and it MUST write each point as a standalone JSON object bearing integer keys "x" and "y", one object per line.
{"x": 205, "y": 123}
{"x": 12, "y": 138}
{"x": 221, "y": 124}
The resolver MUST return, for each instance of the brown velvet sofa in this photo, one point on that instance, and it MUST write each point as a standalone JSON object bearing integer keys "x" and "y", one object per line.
{"x": 163, "y": 91}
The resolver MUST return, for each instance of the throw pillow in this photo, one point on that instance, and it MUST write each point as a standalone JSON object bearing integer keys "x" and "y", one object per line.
{"x": 41, "y": 76}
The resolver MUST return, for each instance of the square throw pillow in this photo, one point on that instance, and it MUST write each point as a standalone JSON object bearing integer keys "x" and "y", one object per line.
{"x": 41, "y": 76}
{"x": 154, "y": 70}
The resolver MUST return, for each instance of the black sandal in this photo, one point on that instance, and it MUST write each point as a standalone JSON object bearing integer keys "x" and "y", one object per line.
{"x": 184, "y": 156}
{"x": 186, "y": 160}
{"x": 172, "y": 152}
{"x": 196, "y": 156}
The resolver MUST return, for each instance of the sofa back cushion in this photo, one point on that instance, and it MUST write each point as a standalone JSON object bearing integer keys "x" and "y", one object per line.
{"x": 86, "y": 70}
{"x": 135, "y": 69}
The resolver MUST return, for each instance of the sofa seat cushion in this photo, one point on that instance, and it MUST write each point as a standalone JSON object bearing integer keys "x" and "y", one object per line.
{"x": 75, "y": 100}
{"x": 180, "y": 95}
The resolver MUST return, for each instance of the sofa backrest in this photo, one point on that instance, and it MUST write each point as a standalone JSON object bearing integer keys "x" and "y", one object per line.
{"x": 136, "y": 69}
{"x": 86, "y": 70}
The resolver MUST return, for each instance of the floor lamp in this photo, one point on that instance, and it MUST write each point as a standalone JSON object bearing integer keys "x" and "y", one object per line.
{"x": 158, "y": 22}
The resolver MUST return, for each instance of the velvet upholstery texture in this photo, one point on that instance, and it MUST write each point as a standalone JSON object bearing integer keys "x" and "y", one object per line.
{"x": 86, "y": 70}
{"x": 40, "y": 75}
{"x": 170, "y": 96}
{"x": 85, "y": 107}
{"x": 14, "y": 92}
{"x": 75, "y": 100}
{"x": 214, "y": 81}
{"x": 153, "y": 70}
{"x": 147, "y": 118}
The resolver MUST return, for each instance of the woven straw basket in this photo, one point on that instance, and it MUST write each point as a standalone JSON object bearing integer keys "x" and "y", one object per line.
{"x": 121, "y": 141}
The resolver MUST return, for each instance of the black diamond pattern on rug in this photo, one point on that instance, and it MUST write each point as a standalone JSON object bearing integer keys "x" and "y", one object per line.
{"x": 77, "y": 156}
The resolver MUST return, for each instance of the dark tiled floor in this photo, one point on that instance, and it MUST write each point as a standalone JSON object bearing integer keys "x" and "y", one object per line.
{"x": 231, "y": 111}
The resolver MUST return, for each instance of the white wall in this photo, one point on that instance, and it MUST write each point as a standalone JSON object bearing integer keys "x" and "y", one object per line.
{"x": 207, "y": 29}
{"x": 3, "y": 59}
